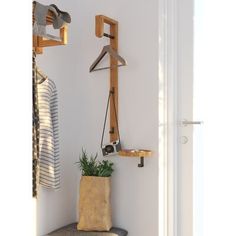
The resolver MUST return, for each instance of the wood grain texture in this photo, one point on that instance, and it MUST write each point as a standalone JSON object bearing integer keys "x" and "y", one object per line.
{"x": 99, "y": 28}
{"x": 39, "y": 42}
{"x": 114, "y": 83}
{"x": 99, "y": 31}
{"x": 48, "y": 42}
{"x": 135, "y": 153}
{"x": 100, "y": 20}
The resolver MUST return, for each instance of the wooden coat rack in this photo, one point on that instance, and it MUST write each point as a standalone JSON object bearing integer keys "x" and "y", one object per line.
{"x": 114, "y": 133}
{"x": 99, "y": 31}
{"x": 39, "y": 42}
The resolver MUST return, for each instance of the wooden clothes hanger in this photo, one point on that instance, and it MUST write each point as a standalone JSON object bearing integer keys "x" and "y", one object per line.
{"x": 107, "y": 49}
{"x": 43, "y": 77}
{"x": 37, "y": 70}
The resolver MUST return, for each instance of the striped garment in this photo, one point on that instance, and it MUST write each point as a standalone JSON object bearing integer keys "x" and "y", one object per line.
{"x": 35, "y": 133}
{"x": 49, "y": 165}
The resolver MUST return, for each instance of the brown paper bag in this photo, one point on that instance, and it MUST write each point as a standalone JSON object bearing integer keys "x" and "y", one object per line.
{"x": 95, "y": 204}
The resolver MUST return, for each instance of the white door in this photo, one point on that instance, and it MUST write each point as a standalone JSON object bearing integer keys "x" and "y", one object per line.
{"x": 206, "y": 108}
{"x": 184, "y": 95}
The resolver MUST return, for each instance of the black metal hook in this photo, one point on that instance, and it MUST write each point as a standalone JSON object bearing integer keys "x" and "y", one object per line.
{"x": 141, "y": 164}
{"x": 112, "y": 131}
{"x": 108, "y": 36}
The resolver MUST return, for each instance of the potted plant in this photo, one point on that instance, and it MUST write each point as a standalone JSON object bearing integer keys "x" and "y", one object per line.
{"x": 95, "y": 193}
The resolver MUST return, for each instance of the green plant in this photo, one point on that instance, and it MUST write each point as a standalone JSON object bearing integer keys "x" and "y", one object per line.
{"x": 91, "y": 167}
{"x": 86, "y": 165}
{"x": 105, "y": 168}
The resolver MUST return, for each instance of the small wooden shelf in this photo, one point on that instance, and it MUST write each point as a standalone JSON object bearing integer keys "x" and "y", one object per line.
{"x": 140, "y": 153}
{"x": 135, "y": 153}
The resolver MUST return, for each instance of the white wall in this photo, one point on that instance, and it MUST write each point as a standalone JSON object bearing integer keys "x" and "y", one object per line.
{"x": 56, "y": 209}
{"x": 82, "y": 100}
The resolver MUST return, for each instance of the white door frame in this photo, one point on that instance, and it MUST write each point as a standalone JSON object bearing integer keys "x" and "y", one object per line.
{"x": 169, "y": 57}
{"x": 167, "y": 117}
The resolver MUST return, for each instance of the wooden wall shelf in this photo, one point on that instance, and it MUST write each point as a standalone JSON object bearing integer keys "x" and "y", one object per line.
{"x": 140, "y": 153}
{"x": 39, "y": 42}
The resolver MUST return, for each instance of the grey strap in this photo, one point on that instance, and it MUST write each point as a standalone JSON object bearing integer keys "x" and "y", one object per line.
{"x": 111, "y": 94}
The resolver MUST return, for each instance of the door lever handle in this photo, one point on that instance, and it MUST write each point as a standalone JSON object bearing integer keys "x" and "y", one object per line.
{"x": 186, "y": 122}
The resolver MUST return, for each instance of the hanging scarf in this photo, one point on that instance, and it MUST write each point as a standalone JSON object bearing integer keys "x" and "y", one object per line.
{"x": 35, "y": 131}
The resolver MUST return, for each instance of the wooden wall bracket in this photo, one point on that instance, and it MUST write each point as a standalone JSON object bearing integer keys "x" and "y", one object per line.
{"x": 113, "y": 35}
{"x": 139, "y": 153}
{"x": 39, "y": 42}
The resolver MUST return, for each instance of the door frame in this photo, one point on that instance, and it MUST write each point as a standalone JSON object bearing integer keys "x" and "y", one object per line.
{"x": 169, "y": 74}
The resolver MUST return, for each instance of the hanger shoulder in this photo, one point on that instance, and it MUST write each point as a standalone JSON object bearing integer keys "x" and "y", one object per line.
{"x": 107, "y": 49}
{"x": 115, "y": 55}
{"x": 43, "y": 77}
{"x": 99, "y": 58}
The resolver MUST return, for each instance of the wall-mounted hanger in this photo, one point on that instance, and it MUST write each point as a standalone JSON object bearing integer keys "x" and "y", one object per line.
{"x": 107, "y": 49}
{"x": 112, "y": 49}
{"x": 40, "y": 42}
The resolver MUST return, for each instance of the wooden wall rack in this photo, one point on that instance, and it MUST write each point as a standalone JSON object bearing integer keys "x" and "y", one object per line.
{"x": 100, "y": 20}
{"x": 39, "y": 42}
{"x": 114, "y": 132}
{"x": 140, "y": 153}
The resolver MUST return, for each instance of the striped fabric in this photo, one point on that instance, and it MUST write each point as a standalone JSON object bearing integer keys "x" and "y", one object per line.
{"x": 49, "y": 165}
{"x": 35, "y": 147}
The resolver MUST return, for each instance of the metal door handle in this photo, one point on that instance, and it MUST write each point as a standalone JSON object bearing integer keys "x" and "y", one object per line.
{"x": 186, "y": 122}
